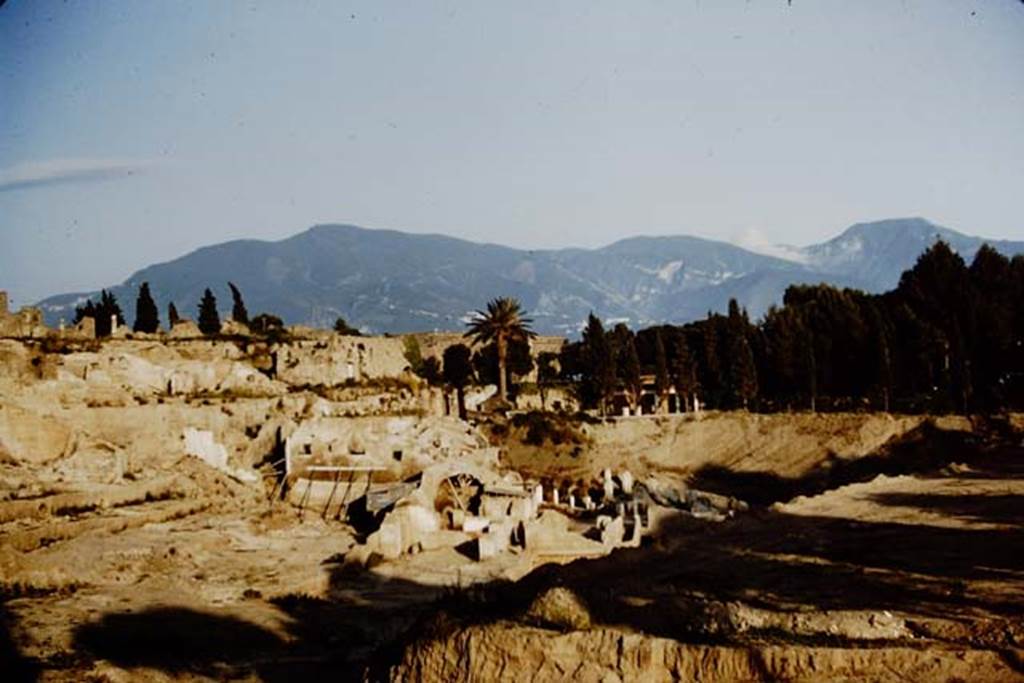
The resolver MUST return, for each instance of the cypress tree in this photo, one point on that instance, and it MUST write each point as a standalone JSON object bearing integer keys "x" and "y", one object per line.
{"x": 147, "y": 319}
{"x": 172, "y": 315}
{"x": 742, "y": 371}
{"x": 880, "y": 364}
{"x": 86, "y": 310}
{"x": 742, "y": 368}
{"x": 684, "y": 369}
{"x": 107, "y": 308}
{"x": 630, "y": 365}
{"x": 598, "y": 364}
{"x": 458, "y": 371}
{"x": 209, "y": 319}
{"x": 711, "y": 361}
{"x": 101, "y": 313}
{"x": 993, "y": 299}
{"x": 661, "y": 379}
{"x": 342, "y": 327}
{"x": 238, "y": 312}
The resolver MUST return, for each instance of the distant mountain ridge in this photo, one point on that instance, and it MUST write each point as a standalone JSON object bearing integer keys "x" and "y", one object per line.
{"x": 386, "y": 281}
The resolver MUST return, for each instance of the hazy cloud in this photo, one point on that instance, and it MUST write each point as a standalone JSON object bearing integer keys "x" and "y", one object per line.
{"x": 62, "y": 171}
{"x": 755, "y": 240}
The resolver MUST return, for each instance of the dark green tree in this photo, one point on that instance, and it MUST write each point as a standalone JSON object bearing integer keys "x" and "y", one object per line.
{"x": 238, "y": 312}
{"x": 629, "y": 367}
{"x": 103, "y": 313}
{"x": 683, "y": 368}
{"x": 458, "y": 372}
{"x": 518, "y": 363}
{"x": 265, "y": 323}
{"x": 548, "y": 374}
{"x": 662, "y": 381}
{"x": 86, "y": 310}
{"x": 711, "y": 377}
{"x": 428, "y": 369}
{"x": 414, "y": 356}
{"x": 742, "y": 373}
{"x": 172, "y": 315}
{"x": 937, "y": 291}
{"x": 269, "y": 326}
{"x": 597, "y": 371}
{"x": 783, "y": 360}
{"x": 109, "y": 311}
{"x": 431, "y": 370}
{"x": 209, "y": 319}
{"x": 147, "y": 319}
{"x": 994, "y": 297}
{"x": 502, "y": 323}
{"x": 343, "y": 328}
{"x": 879, "y": 355}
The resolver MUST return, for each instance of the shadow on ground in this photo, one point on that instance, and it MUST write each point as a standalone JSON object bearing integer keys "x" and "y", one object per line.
{"x": 766, "y": 559}
{"x": 317, "y": 638}
{"x": 175, "y": 640}
{"x": 926, "y": 448}
{"x": 15, "y": 667}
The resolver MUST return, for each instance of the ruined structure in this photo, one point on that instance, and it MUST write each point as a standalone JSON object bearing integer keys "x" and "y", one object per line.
{"x": 27, "y": 322}
{"x": 334, "y": 359}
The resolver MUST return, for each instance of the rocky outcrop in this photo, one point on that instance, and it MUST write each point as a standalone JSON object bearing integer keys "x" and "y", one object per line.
{"x": 29, "y": 437}
{"x": 147, "y": 374}
{"x": 507, "y": 651}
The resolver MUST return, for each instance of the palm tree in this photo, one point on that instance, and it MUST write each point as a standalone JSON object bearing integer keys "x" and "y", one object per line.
{"x": 503, "y": 322}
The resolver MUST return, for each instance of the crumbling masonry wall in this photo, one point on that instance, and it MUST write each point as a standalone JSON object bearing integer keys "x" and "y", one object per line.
{"x": 27, "y": 322}
{"x": 338, "y": 359}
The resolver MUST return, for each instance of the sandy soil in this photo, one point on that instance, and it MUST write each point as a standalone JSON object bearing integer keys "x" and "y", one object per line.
{"x": 883, "y": 549}
{"x": 900, "y": 578}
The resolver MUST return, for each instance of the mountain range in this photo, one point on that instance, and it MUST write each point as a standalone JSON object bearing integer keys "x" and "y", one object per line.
{"x": 385, "y": 281}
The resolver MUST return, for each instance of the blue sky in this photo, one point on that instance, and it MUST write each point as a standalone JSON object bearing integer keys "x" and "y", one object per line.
{"x": 133, "y": 132}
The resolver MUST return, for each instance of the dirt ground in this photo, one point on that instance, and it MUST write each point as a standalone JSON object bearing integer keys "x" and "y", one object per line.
{"x": 909, "y": 577}
{"x": 898, "y": 556}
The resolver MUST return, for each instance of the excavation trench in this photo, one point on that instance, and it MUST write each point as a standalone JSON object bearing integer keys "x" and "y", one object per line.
{"x": 848, "y": 570}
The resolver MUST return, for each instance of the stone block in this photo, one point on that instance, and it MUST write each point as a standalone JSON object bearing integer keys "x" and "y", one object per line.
{"x": 475, "y": 525}
{"x": 613, "y": 533}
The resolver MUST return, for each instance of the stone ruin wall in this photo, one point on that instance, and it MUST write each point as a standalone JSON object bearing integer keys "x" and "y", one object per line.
{"x": 27, "y": 322}
{"x": 386, "y": 442}
{"x": 336, "y": 360}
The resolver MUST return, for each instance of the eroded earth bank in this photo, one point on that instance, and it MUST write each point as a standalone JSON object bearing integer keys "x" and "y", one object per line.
{"x": 204, "y": 510}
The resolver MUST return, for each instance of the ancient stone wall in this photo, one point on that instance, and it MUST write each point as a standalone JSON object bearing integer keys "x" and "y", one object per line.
{"x": 397, "y": 444}
{"x": 27, "y": 322}
{"x": 338, "y": 359}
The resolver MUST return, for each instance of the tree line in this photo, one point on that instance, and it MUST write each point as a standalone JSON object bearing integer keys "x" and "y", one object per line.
{"x": 107, "y": 311}
{"x": 949, "y": 338}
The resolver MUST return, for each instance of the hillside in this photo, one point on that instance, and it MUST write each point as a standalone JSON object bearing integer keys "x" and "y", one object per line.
{"x": 389, "y": 281}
